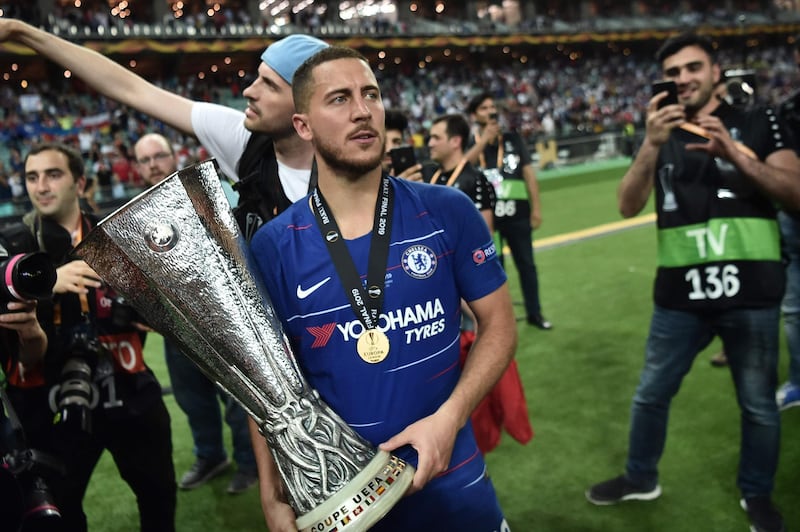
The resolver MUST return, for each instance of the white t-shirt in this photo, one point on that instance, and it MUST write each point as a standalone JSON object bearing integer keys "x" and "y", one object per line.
{"x": 221, "y": 130}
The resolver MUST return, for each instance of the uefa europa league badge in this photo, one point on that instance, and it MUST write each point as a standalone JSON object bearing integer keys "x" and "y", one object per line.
{"x": 161, "y": 235}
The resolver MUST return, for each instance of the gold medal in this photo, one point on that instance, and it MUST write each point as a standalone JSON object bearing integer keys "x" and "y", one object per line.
{"x": 373, "y": 346}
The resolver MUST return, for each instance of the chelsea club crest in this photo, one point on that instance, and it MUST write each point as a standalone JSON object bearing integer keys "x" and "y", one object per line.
{"x": 419, "y": 261}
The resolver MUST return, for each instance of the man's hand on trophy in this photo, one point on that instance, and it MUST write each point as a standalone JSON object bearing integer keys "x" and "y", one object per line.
{"x": 77, "y": 277}
{"x": 279, "y": 516}
{"x": 433, "y": 438}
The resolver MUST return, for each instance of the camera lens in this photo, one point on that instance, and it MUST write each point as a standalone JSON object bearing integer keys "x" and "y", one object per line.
{"x": 27, "y": 276}
{"x": 74, "y": 398}
{"x": 40, "y": 511}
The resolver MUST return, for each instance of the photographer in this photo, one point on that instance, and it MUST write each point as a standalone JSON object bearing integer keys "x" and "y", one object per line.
{"x": 22, "y": 341}
{"x": 94, "y": 390}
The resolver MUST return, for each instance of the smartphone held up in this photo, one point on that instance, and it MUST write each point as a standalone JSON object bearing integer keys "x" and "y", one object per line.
{"x": 670, "y": 87}
{"x": 403, "y": 158}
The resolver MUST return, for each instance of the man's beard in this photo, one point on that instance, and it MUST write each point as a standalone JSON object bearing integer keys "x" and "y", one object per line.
{"x": 352, "y": 170}
{"x": 705, "y": 96}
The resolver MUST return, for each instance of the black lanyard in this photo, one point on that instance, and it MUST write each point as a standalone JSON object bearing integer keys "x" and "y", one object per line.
{"x": 365, "y": 303}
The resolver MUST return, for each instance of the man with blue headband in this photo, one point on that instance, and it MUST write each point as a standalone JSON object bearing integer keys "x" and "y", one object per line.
{"x": 260, "y": 140}
{"x": 257, "y": 148}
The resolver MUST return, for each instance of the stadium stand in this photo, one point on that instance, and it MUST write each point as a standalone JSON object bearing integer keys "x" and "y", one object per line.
{"x": 576, "y": 95}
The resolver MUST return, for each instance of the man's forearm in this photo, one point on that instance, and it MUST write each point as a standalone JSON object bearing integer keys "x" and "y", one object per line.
{"x": 32, "y": 347}
{"x": 473, "y": 154}
{"x": 494, "y": 347}
{"x": 778, "y": 177}
{"x": 637, "y": 183}
{"x": 532, "y": 184}
{"x": 269, "y": 479}
{"x": 104, "y": 75}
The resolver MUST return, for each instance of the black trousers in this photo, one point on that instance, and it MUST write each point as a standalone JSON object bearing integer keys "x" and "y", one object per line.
{"x": 141, "y": 446}
{"x": 517, "y": 233}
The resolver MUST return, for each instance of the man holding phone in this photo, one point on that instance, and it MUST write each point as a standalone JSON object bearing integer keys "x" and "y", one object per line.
{"x": 506, "y": 163}
{"x": 399, "y": 158}
{"x": 720, "y": 271}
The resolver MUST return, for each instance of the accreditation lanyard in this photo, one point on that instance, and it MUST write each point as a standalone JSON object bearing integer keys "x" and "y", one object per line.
{"x": 76, "y": 239}
{"x": 482, "y": 158}
{"x": 365, "y": 303}
{"x": 453, "y": 176}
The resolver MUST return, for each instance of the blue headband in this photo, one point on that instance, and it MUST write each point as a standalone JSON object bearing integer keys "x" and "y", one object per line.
{"x": 286, "y": 55}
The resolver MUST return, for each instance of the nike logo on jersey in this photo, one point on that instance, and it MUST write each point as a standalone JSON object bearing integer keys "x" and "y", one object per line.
{"x": 304, "y": 293}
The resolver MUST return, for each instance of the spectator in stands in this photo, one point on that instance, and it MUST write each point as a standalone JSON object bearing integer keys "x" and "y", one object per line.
{"x": 5, "y": 186}
{"x": 121, "y": 168}
{"x": 197, "y": 395}
{"x": 506, "y": 162}
{"x": 718, "y": 172}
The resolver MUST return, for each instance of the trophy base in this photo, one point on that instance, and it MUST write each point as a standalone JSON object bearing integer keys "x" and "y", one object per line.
{"x": 364, "y": 500}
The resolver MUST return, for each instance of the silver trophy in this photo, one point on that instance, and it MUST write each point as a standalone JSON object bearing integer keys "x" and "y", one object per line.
{"x": 176, "y": 255}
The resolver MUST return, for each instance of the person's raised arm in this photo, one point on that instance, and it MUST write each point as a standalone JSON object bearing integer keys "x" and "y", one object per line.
{"x": 104, "y": 75}
{"x": 489, "y": 135}
{"x": 637, "y": 183}
{"x": 778, "y": 176}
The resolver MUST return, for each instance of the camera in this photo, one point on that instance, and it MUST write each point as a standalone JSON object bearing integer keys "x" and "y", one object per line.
{"x": 27, "y": 503}
{"x": 75, "y": 395}
{"x": 740, "y": 87}
{"x": 25, "y": 277}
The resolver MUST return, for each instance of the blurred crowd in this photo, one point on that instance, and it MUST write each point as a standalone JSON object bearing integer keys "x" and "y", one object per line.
{"x": 554, "y": 96}
{"x": 302, "y": 16}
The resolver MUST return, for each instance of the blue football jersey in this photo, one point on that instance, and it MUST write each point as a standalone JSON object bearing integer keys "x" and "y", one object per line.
{"x": 440, "y": 252}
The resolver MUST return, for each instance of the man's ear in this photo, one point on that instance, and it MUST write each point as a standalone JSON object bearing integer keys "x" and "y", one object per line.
{"x": 716, "y": 73}
{"x": 80, "y": 185}
{"x": 300, "y": 123}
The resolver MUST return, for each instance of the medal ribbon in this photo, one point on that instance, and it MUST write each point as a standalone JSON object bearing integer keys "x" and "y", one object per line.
{"x": 366, "y": 303}
{"x": 435, "y": 178}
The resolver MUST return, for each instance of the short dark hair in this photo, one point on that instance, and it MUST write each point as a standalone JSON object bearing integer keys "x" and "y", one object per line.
{"x": 477, "y": 100}
{"x": 302, "y": 85}
{"x": 455, "y": 126}
{"x": 74, "y": 158}
{"x": 676, "y": 43}
{"x": 396, "y": 120}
